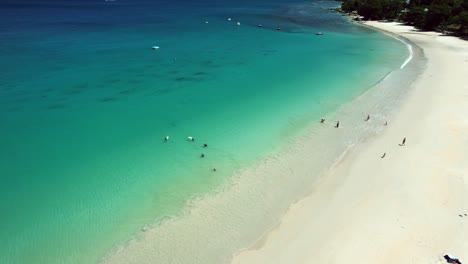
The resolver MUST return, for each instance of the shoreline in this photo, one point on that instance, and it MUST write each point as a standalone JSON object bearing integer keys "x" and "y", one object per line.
{"x": 372, "y": 208}
{"x": 243, "y": 199}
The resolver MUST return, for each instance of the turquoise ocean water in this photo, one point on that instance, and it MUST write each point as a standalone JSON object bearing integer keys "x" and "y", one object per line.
{"x": 85, "y": 104}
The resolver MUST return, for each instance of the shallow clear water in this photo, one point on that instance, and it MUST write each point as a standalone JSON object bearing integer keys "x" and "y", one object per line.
{"x": 85, "y": 104}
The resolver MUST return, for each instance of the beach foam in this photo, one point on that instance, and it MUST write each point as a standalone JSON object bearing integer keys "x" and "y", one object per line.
{"x": 410, "y": 57}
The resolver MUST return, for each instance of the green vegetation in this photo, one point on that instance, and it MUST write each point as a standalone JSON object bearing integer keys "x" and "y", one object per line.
{"x": 440, "y": 15}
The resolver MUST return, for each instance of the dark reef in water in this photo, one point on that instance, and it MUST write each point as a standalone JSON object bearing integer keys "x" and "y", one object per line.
{"x": 127, "y": 91}
{"x": 107, "y": 99}
{"x": 200, "y": 73}
{"x": 187, "y": 79}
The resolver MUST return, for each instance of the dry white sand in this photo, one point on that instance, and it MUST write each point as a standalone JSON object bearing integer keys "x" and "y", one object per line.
{"x": 405, "y": 207}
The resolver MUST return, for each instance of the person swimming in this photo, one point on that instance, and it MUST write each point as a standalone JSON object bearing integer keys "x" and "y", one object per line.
{"x": 202, "y": 155}
{"x": 205, "y": 145}
{"x": 166, "y": 138}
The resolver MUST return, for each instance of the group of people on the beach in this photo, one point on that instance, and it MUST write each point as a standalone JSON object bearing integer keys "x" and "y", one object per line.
{"x": 190, "y": 138}
{"x": 337, "y": 123}
{"x": 322, "y": 121}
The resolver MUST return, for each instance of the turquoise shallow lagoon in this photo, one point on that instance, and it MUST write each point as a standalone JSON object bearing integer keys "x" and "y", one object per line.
{"x": 85, "y": 104}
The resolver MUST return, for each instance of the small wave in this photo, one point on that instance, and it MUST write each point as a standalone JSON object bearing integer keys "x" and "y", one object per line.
{"x": 410, "y": 51}
{"x": 408, "y": 46}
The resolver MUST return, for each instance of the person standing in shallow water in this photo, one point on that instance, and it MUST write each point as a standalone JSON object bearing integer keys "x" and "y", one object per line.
{"x": 368, "y": 117}
{"x": 337, "y": 124}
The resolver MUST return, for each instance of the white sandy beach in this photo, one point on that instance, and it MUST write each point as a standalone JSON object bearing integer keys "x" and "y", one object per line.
{"x": 403, "y": 208}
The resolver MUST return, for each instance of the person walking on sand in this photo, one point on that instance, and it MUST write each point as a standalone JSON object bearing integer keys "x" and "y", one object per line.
{"x": 337, "y": 124}
{"x": 385, "y": 123}
{"x": 383, "y": 156}
{"x": 403, "y": 142}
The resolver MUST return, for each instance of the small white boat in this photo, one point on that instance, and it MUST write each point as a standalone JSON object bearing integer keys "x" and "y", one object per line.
{"x": 229, "y": 19}
{"x": 155, "y": 47}
{"x": 238, "y": 23}
{"x": 319, "y": 33}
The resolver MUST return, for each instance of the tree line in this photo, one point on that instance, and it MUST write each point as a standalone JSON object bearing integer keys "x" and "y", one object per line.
{"x": 438, "y": 15}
